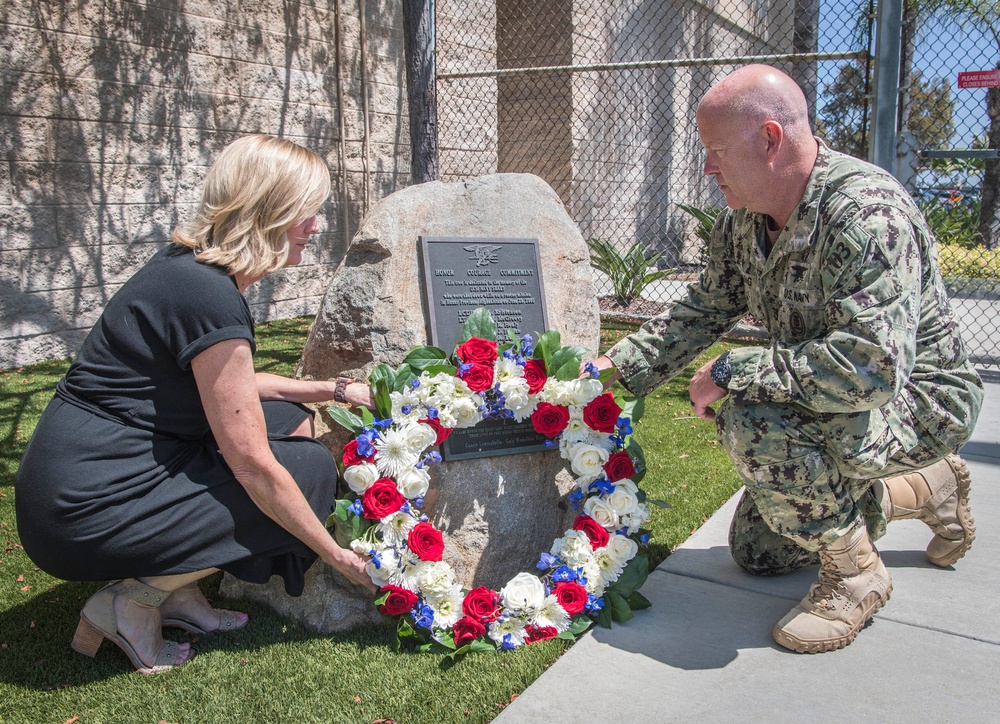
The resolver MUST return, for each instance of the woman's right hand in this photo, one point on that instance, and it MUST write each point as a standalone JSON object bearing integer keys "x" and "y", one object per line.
{"x": 351, "y": 566}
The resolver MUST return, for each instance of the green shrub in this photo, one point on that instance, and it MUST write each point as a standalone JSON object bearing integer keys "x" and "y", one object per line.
{"x": 956, "y": 260}
{"x": 954, "y": 221}
{"x": 628, "y": 271}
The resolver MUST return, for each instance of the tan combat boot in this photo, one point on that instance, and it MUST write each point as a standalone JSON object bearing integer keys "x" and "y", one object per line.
{"x": 939, "y": 496}
{"x": 853, "y": 584}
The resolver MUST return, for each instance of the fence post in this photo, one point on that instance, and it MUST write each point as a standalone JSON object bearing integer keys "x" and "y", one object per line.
{"x": 885, "y": 106}
{"x": 418, "y": 37}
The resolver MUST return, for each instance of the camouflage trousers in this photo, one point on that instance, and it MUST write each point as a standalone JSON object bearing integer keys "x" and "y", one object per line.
{"x": 809, "y": 476}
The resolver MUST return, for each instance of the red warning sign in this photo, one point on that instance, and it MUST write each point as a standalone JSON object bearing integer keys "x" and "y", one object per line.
{"x": 979, "y": 79}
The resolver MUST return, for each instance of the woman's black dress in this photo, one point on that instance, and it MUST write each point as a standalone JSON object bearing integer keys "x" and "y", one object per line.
{"x": 122, "y": 476}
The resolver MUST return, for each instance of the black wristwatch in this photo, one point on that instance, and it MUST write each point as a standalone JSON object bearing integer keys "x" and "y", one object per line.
{"x": 722, "y": 371}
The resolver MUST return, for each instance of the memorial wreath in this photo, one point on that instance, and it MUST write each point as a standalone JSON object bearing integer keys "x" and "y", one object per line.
{"x": 591, "y": 573}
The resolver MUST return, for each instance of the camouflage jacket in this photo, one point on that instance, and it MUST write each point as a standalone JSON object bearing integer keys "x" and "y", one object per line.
{"x": 852, "y": 297}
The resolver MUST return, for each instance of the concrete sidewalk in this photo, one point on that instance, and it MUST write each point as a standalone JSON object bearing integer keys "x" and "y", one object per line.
{"x": 704, "y": 652}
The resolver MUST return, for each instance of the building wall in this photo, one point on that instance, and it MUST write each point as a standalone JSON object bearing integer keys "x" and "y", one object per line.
{"x": 111, "y": 113}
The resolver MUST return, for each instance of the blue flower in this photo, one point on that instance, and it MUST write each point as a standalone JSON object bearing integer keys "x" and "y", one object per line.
{"x": 364, "y": 440}
{"x": 604, "y": 485}
{"x": 509, "y": 354}
{"x": 527, "y": 345}
{"x": 508, "y": 643}
{"x": 575, "y": 497}
{"x": 550, "y": 443}
{"x": 463, "y": 369}
{"x": 382, "y": 423}
{"x": 564, "y": 573}
{"x": 414, "y": 383}
{"x": 594, "y": 604}
{"x": 423, "y": 615}
{"x": 418, "y": 502}
{"x": 356, "y": 507}
{"x": 406, "y": 409}
{"x": 591, "y": 370}
{"x": 546, "y": 561}
{"x": 432, "y": 413}
{"x": 625, "y": 426}
{"x": 644, "y": 538}
{"x": 376, "y": 560}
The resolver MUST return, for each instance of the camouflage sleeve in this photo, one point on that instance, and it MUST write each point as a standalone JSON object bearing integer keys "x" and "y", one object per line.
{"x": 666, "y": 344}
{"x": 870, "y": 270}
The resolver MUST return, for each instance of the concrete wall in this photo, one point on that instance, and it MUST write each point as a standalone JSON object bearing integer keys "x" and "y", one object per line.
{"x": 619, "y": 146}
{"x": 111, "y": 112}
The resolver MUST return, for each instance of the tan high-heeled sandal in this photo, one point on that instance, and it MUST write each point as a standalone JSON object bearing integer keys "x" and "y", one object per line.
{"x": 98, "y": 622}
{"x": 228, "y": 620}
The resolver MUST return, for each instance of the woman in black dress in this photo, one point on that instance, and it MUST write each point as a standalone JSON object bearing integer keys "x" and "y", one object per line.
{"x": 163, "y": 457}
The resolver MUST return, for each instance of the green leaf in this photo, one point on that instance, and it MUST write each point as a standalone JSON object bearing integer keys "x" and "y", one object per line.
{"x": 605, "y": 374}
{"x": 577, "y": 627}
{"x": 480, "y": 324}
{"x": 620, "y": 610}
{"x": 425, "y": 352}
{"x": 633, "y": 408}
{"x": 345, "y": 418}
{"x": 634, "y": 450}
{"x": 659, "y": 503}
{"x": 604, "y": 617}
{"x": 637, "y": 601}
{"x": 432, "y": 647}
{"x": 633, "y": 576}
{"x": 447, "y": 368}
{"x": 565, "y": 363}
{"x": 548, "y": 344}
{"x": 367, "y": 417}
{"x": 339, "y": 524}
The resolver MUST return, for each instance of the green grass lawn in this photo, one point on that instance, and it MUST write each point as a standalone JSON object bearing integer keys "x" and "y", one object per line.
{"x": 274, "y": 670}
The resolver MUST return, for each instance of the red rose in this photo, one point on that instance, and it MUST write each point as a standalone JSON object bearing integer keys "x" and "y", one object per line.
{"x": 619, "y": 466}
{"x": 534, "y": 374}
{"x": 482, "y": 604}
{"x": 478, "y": 377}
{"x": 597, "y": 533}
{"x": 426, "y": 542}
{"x": 540, "y": 633}
{"x": 352, "y": 456}
{"x": 399, "y": 600}
{"x": 381, "y": 499}
{"x": 442, "y": 431}
{"x": 475, "y": 349}
{"x": 549, "y": 419}
{"x": 602, "y": 413}
{"x": 571, "y": 596}
{"x": 466, "y": 631}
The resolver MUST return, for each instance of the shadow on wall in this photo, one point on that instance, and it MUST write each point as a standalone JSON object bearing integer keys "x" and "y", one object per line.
{"x": 110, "y": 114}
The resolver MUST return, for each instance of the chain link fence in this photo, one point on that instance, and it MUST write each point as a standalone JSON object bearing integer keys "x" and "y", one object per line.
{"x": 598, "y": 99}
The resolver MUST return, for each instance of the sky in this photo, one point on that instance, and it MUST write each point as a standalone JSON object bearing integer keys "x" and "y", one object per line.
{"x": 943, "y": 50}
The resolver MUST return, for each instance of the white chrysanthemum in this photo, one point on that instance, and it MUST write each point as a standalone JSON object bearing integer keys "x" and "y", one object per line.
{"x": 409, "y": 575}
{"x": 523, "y": 594}
{"x": 420, "y": 437}
{"x": 413, "y": 483}
{"x": 587, "y": 461}
{"x": 396, "y": 528}
{"x": 392, "y": 452}
{"x": 409, "y": 400}
{"x": 509, "y": 630}
{"x": 360, "y": 477}
{"x": 611, "y": 567}
{"x": 622, "y": 547}
{"x": 436, "y": 577}
{"x": 573, "y": 548}
{"x": 551, "y": 613}
{"x": 447, "y": 606}
{"x": 506, "y": 370}
{"x": 603, "y": 512}
{"x": 623, "y": 500}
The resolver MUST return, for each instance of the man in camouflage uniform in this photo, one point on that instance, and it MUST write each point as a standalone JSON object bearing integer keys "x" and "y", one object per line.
{"x": 865, "y": 375}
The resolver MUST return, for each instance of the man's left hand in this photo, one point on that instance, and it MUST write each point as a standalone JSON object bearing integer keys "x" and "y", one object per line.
{"x": 705, "y": 392}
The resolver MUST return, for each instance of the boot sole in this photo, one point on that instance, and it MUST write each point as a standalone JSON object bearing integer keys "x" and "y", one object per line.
{"x": 965, "y": 519}
{"x": 822, "y": 647}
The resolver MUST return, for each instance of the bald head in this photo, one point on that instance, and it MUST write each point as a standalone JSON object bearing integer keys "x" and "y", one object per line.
{"x": 755, "y": 94}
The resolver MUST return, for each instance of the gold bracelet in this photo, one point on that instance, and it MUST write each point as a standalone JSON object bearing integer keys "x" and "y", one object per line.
{"x": 340, "y": 390}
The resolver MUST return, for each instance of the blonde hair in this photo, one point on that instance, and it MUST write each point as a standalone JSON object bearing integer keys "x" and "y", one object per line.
{"x": 258, "y": 188}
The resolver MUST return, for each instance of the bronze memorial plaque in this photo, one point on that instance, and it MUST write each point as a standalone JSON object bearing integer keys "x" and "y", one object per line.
{"x": 504, "y": 276}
